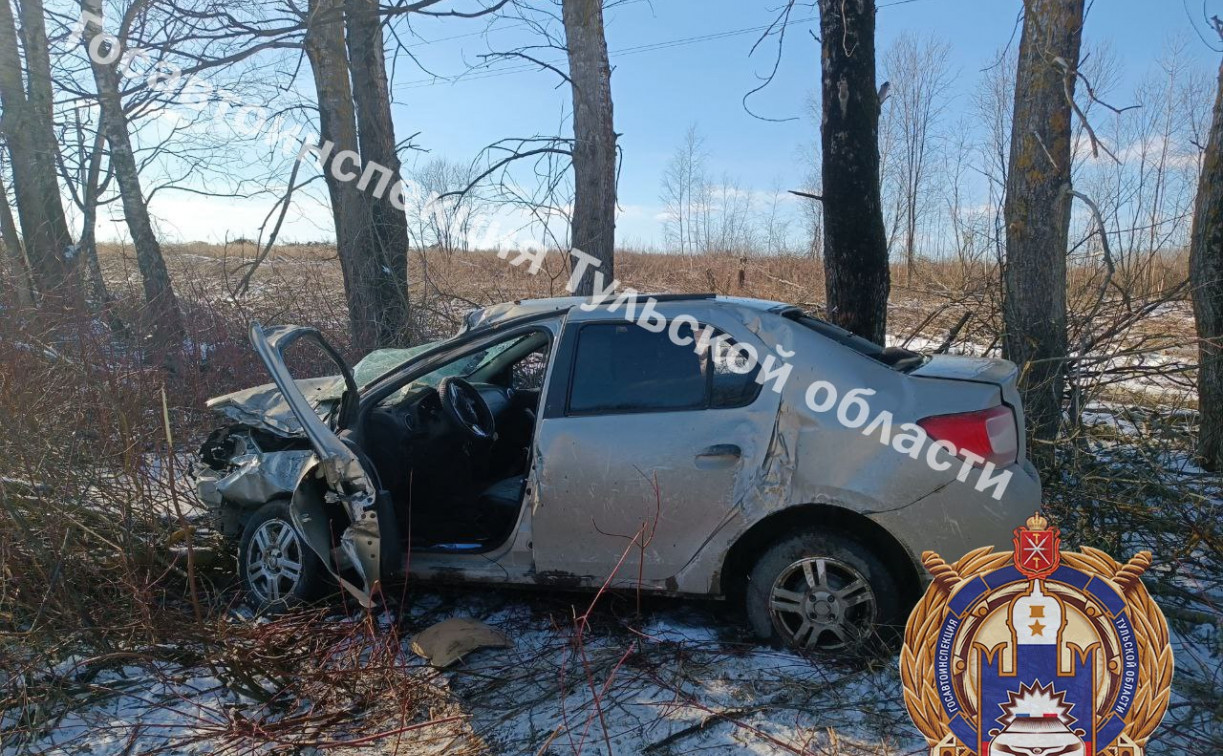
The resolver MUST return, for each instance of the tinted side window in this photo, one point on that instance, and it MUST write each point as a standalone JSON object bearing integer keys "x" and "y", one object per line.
{"x": 734, "y": 378}
{"x": 625, "y": 368}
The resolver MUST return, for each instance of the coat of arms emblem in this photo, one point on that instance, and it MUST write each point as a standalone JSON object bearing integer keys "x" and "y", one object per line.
{"x": 1037, "y": 652}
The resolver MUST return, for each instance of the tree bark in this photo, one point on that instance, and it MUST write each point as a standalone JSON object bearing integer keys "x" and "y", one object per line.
{"x": 593, "y": 227}
{"x": 384, "y": 276}
{"x": 1037, "y": 213}
{"x": 855, "y": 243}
{"x": 162, "y": 311}
{"x": 14, "y": 256}
{"x": 338, "y": 126}
{"x": 87, "y": 242}
{"x": 1206, "y": 278}
{"x": 29, "y": 130}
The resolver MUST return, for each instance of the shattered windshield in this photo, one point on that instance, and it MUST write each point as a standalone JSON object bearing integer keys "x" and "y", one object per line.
{"x": 371, "y": 367}
{"x": 382, "y": 361}
{"x": 378, "y": 363}
{"x": 464, "y": 366}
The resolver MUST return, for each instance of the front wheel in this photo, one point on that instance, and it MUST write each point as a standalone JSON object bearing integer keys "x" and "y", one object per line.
{"x": 278, "y": 570}
{"x": 823, "y": 592}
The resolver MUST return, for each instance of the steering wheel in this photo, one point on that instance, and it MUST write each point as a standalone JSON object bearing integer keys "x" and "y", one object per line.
{"x": 465, "y": 408}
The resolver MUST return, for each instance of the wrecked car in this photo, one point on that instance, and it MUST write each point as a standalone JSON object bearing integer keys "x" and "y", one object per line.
{"x": 555, "y": 443}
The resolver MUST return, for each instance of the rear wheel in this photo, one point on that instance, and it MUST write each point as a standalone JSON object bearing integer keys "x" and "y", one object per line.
{"x": 823, "y": 592}
{"x": 278, "y": 570}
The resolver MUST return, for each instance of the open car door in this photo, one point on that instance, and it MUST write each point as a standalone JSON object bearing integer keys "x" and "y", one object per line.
{"x": 368, "y": 543}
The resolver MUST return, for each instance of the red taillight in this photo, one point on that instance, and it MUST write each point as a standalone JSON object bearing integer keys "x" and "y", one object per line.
{"x": 990, "y": 434}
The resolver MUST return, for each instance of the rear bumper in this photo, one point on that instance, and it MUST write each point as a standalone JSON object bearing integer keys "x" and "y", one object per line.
{"x": 957, "y": 518}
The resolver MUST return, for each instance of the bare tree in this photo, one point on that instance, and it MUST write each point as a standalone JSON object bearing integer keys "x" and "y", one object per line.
{"x": 855, "y": 244}
{"x": 324, "y": 44}
{"x": 992, "y": 105}
{"x": 163, "y": 311}
{"x": 443, "y": 215}
{"x": 1146, "y": 195}
{"x": 727, "y": 217}
{"x": 953, "y": 198}
{"x": 919, "y": 82}
{"x": 1037, "y": 210}
{"x": 1206, "y": 277}
{"x": 811, "y": 205}
{"x": 29, "y": 132}
{"x": 14, "y": 256}
{"x": 776, "y": 223}
{"x": 594, "y": 138}
{"x": 683, "y": 186}
{"x": 345, "y": 44}
{"x": 93, "y": 185}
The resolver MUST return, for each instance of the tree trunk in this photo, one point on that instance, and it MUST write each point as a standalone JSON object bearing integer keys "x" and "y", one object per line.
{"x": 911, "y": 236}
{"x": 384, "y": 277}
{"x": 27, "y": 124}
{"x": 161, "y": 305}
{"x": 594, "y": 146}
{"x": 1206, "y": 278}
{"x": 338, "y": 125}
{"x": 87, "y": 243}
{"x": 855, "y": 243}
{"x": 1037, "y": 213}
{"x": 14, "y": 256}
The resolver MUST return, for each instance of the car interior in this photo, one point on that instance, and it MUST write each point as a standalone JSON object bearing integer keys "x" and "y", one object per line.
{"x": 452, "y": 447}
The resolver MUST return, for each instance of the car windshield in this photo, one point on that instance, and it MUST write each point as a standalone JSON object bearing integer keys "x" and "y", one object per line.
{"x": 382, "y": 361}
{"x": 324, "y": 392}
{"x": 464, "y": 366}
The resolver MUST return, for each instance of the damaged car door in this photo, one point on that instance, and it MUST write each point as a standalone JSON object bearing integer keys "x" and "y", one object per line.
{"x": 341, "y": 482}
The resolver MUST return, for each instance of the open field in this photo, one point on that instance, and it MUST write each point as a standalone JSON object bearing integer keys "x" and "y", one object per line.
{"x": 119, "y": 631}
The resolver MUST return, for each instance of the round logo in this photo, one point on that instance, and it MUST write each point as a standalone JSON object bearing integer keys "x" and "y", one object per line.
{"x": 1036, "y": 652}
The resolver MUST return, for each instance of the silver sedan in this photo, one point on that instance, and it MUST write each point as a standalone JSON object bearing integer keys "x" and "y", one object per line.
{"x": 719, "y": 447}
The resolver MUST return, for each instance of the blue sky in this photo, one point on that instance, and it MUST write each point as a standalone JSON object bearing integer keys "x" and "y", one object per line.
{"x": 658, "y": 93}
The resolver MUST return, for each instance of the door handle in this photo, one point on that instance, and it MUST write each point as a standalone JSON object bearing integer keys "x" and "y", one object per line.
{"x": 719, "y": 452}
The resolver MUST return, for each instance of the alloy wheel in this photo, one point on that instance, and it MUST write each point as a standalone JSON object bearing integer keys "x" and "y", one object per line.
{"x": 822, "y": 604}
{"x": 274, "y": 561}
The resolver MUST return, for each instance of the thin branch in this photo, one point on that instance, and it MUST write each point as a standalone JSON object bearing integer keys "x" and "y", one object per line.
{"x": 245, "y": 283}
{"x": 506, "y": 161}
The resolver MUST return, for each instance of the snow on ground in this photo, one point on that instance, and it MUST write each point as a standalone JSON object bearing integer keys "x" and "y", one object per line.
{"x": 681, "y": 678}
{"x": 684, "y": 679}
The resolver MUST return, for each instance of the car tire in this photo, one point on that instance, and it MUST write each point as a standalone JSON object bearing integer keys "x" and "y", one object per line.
{"x": 279, "y": 571}
{"x": 824, "y": 592}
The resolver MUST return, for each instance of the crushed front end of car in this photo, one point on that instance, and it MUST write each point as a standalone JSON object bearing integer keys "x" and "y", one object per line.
{"x": 278, "y": 445}
{"x": 241, "y": 468}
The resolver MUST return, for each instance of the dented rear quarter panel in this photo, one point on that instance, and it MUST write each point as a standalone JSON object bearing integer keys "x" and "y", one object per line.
{"x": 813, "y": 458}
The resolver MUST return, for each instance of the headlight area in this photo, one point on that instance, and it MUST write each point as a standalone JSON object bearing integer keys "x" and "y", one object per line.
{"x": 241, "y": 469}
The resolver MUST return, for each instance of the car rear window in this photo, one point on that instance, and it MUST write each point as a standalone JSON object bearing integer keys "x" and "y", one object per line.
{"x": 897, "y": 358}
{"x": 732, "y": 384}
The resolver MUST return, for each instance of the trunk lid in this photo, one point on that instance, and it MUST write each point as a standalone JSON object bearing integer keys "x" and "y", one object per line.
{"x": 968, "y": 368}
{"x": 989, "y": 370}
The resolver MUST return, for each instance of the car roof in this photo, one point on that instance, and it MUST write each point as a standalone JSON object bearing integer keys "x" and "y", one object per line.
{"x": 519, "y": 308}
